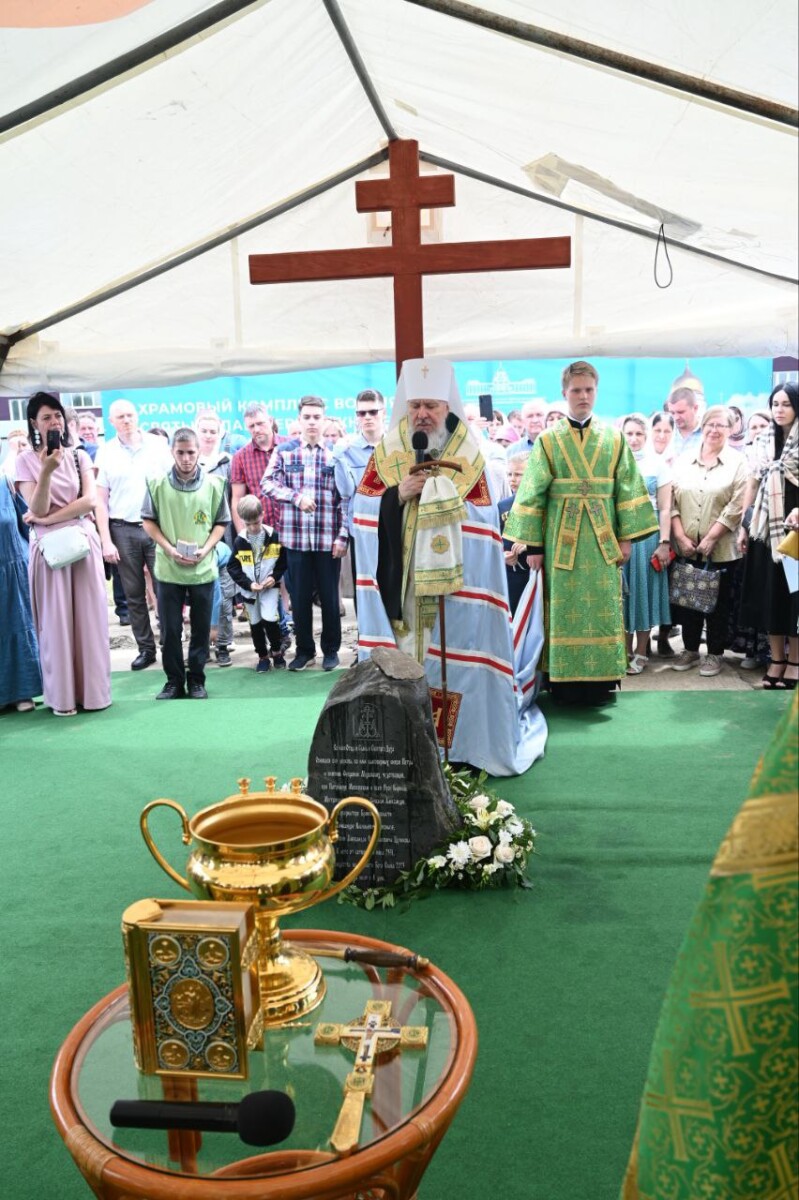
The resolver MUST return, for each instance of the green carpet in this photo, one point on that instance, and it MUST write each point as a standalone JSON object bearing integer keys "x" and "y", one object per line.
{"x": 566, "y": 981}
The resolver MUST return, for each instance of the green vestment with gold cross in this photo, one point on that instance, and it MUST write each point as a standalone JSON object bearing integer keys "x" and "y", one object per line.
{"x": 582, "y": 494}
{"x": 718, "y": 1117}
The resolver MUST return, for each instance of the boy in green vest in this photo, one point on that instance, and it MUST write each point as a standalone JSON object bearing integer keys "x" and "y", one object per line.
{"x": 185, "y": 513}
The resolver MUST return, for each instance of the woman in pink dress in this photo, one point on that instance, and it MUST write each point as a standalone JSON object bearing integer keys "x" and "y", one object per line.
{"x": 70, "y": 606}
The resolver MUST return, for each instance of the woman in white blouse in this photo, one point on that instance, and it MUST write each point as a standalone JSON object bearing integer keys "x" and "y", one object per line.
{"x": 706, "y": 512}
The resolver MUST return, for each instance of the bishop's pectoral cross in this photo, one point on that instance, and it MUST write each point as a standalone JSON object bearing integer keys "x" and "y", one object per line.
{"x": 370, "y": 1035}
{"x": 404, "y": 194}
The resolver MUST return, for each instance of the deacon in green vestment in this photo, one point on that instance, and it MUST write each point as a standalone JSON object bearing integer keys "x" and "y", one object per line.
{"x": 581, "y": 504}
{"x": 718, "y": 1118}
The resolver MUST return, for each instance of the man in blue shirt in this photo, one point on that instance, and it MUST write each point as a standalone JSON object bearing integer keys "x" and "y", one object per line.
{"x": 351, "y": 456}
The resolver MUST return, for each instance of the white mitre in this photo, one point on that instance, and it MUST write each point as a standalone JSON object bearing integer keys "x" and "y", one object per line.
{"x": 426, "y": 379}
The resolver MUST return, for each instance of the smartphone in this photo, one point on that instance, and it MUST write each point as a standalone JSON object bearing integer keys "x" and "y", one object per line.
{"x": 53, "y": 440}
{"x": 187, "y": 549}
{"x": 656, "y": 563}
{"x": 486, "y": 408}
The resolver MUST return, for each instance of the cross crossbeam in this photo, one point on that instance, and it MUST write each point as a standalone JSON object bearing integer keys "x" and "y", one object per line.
{"x": 404, "y": 194}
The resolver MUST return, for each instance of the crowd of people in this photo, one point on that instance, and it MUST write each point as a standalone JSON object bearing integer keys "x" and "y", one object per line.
{"x": 186, "y": 528}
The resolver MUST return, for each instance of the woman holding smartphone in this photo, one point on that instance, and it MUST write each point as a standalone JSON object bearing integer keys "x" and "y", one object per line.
{"x": 70, "y": 606}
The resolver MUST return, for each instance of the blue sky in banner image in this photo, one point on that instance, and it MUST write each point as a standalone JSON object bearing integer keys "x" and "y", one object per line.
{"x": 625, "y": 385}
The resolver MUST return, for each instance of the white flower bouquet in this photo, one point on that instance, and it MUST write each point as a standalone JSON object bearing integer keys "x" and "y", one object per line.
{"x": 491, "y": 849}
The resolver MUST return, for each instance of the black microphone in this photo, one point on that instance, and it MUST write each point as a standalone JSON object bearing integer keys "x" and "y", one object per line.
{"x": 452, "y": 422}
{"x": 419, "y": 443}
{"x": 260, "y": 1119}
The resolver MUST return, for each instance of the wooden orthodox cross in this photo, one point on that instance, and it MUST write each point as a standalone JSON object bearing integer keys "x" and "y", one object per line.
{"x": 372, "y": 1034}
{"x": 405, "y": 193}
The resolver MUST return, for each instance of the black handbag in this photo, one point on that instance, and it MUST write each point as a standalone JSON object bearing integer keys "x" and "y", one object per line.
{"x": 694, "y": 586}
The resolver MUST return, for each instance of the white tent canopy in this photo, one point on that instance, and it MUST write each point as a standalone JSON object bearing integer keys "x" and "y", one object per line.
{"x": 133, "y": 197}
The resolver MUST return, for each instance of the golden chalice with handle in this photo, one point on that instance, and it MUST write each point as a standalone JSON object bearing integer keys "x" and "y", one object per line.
{"x": 272, "y": 849}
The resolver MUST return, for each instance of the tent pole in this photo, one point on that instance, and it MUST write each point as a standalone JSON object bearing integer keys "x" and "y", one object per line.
{"x": 600, "y": 56}
{"x": 482, "y": 177}
{"x": 177, "y": 260}
{"x": 359, "y": 66}
{"x": 148, "y": 52}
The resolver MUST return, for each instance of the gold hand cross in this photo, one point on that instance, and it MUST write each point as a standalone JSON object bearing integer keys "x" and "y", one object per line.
{"x": 369, "y": 1035}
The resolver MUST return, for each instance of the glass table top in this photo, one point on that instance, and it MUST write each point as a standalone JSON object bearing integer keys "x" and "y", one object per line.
{"x": 312, "y": 1075}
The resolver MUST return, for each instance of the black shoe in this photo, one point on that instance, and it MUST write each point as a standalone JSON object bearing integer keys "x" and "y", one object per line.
{"x": 124, "y": 620}
{"x": 301, "y": 662}
{"x": 196, "y": 690}
{"x": 171, "y": 691}
{"x": 664, "y": 649}
{"x": 279, "y": 662}
{"x": 145, "y": 658}
{"x": 223, "y": 656}
{"x": 330, "y": 662}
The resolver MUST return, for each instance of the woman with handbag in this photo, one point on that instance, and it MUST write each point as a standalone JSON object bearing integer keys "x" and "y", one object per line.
{"x": 67, "y": 579}
{"x": 707, "y": 504}
{"x": 773, "y": 486}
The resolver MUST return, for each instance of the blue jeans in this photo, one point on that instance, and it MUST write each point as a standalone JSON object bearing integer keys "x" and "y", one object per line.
{"x": 309, "y": 569}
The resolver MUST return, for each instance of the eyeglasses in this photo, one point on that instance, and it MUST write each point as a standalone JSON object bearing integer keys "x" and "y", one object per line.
{"x": 366, "y": 412}
{"x": 722, "y": 427}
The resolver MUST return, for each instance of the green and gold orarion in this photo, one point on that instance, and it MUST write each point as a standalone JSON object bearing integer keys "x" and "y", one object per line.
{"x": 272, "y": 849}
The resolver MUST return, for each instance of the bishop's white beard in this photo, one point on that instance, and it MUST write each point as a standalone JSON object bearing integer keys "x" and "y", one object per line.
{"x": 437, "y": 441}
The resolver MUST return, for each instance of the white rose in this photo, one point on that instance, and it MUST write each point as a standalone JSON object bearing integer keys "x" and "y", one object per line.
{"x": 477, "y": 802}
{"x": 459, "y": 854}
{"x": 437, "y": 862}
{"x": 504, "y": 854}
{"x": 480, "y": 847}
{"x": 504, "y": 809}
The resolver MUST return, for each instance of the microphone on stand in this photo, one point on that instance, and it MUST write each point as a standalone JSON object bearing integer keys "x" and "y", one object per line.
{"x": 419, "y": 443}
{"x": 260, "y": 1119}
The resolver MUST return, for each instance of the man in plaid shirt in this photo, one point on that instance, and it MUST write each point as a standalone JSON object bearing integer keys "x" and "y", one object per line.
{"x": 312, "y": 524}
{"x": 248, "y": 465}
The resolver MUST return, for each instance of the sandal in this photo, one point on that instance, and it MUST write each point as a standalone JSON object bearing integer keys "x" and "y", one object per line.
{"x": 637, "y": 664}
{"x": 773, "y": 683}
{"x": 788, "y": 685}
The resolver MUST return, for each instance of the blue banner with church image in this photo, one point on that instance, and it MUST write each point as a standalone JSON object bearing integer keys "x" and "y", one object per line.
{"x": 625, "y": 385}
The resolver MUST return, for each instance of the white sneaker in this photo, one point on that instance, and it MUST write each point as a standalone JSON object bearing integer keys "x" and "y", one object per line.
{"x": 637, "y": 664}
{"x": 685, "y": 660}
{"x": 748, "y": 663}
{"x": 711, "y": 665}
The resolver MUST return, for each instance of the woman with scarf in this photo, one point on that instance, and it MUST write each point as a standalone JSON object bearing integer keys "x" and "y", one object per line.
{"x": 774, "y": 486}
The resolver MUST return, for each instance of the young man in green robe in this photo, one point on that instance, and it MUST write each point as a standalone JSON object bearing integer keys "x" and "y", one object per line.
{"x": 580, "y": 506}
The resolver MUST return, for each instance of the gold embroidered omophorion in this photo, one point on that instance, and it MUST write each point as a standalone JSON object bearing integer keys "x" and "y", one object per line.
{"x": 718, "y": 1114}
{"x": 581, "y": 494}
